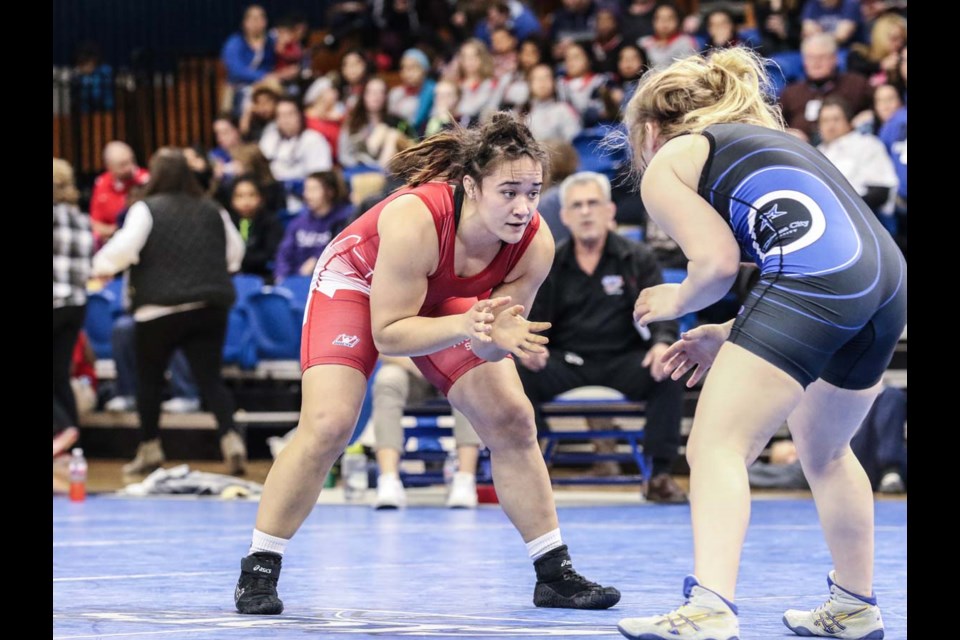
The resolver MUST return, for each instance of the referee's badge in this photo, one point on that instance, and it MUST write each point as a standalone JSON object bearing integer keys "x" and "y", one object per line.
{"x": 612, "y": 285}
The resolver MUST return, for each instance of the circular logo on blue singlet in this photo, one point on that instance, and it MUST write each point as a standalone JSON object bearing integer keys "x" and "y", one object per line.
{"x": 785, "y": 221}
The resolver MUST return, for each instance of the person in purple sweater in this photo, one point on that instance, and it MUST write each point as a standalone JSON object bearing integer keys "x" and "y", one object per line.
{"x": 325, "y": 213}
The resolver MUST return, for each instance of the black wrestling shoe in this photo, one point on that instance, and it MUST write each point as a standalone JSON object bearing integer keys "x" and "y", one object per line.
{"x": 560, "y": 586}
{"x": 256, "y": 591}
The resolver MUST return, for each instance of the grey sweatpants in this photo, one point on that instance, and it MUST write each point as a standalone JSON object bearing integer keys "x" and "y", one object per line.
{"x": 393, "y": 388}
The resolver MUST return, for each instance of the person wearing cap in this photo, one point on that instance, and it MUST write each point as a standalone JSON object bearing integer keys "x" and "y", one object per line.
{"x": 412, "y": 100}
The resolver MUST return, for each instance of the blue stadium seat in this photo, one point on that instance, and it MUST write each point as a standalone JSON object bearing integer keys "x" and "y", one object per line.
{"x": 299, "y": 288}
{"x": 102, "y": 309}
{"x": 286, "y": 216}
{"x": 274, "y": 323}
{"x": 238, "y": 346}
{"x": 751, "y": 37}
{"x": 595, "y": 158}
{"x": 784, "y": 68}
{"x": 245, "y": 284}
{"x": 676, "y": 276}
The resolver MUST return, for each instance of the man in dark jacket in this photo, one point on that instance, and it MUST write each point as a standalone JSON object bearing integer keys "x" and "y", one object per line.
{"x": 588, "y": 297}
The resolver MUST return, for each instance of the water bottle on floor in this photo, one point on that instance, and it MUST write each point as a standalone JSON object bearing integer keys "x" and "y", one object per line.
{"x": 78, "y": 476}
{"x": 450, "y": 467}
{"x": 354, "y": 473}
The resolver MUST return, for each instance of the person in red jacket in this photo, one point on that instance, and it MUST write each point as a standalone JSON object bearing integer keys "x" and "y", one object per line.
{"x": 111, "y": 188}
{"x": 440, "y": 271}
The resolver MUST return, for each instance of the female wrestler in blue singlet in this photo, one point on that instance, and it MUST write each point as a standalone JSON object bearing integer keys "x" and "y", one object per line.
{"x": 810, "y": 345}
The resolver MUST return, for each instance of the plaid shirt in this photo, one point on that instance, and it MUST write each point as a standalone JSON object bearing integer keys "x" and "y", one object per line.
{"x": 72, "y": 247}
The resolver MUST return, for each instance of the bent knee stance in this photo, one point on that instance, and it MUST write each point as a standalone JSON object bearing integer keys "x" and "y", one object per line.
{"x": 509, "y": 426}
{"x": 324, "y": 431}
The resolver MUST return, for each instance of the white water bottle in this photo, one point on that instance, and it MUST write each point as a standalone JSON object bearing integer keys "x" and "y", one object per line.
{"x": 353, "y": 469}
{"x": 450, "y": 467}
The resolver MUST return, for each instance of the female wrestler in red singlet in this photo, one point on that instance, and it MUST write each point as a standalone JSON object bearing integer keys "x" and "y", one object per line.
{"x": 441, "y": 271}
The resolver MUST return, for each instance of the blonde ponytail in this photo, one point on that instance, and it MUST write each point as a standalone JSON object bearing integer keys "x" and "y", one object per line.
{"x": 729, "y": 85}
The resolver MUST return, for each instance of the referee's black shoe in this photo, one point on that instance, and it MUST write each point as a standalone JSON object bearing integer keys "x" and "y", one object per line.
{"x": 256, "y": 591}
{"x": 560, "y": 586}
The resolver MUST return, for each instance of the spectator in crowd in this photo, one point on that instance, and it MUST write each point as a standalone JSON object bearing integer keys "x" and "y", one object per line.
{"x": 580, "y": 86}
{"x": 898, "y": 76}
{"x": 180, "y": 249}
{"x": 473, "y": 70}
{"x": 573, "y": 22}
{"x": 111, "y": 188}
{"x": 860, "y": 157}
{"x": 873, "y": 9}
{"x": 200, "y": 166}
{"x": 637, "y": 20}
{"x": 504, "y": 52}
{"x": 880, "y": 59}
{"x": 324, "y": 112}
{"x": 446, "y": 97}
{"x": 346, "y": 18}
{"x": 839, "y": 19}
{"x": 261, "y": 110}
{"x": 801, "y": 100}
{"x": 396, "y": 384}
{"x": 259, "y": 227}
{"x": 668, "y": 42}
{"x": 631, "y": 65}
{"x": 588, "y": 298}
{"x": 779, "y": 23}
{"x": 226, "y": 131}
{"x": 249, "y": 56}
{"x": 249, "y": 160}
{"x": 289, "y": 34}
{"x": 355, "y": 70}
{"x": 721, "y": 29}
{"x": 371, "y": 135}
{"x": 886, "y": 102}
{"x": 92, "y": 79}
{"x": 563, "y": 163}
{"x": 293, "y": 151}
{"x": 412, "y": 100}
{"x": 608, "y": 39}
{"x": 547, "y": 117}
{"x": 327, "y": 210}
{"x": 513, "y": 87}
{"x": 399, "y": 27}
{"x": 894, "y": 137}
{"x": 72, "y": 248}
{"x": 185, "y": 397}
{"x": 512, "y": 15}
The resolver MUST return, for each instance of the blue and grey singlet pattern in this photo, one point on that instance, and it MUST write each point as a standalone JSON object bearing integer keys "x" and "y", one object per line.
{"x": 832, "y": 292}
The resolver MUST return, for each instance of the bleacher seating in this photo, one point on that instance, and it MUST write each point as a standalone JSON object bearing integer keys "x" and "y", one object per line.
{"x": 275, "y": 323}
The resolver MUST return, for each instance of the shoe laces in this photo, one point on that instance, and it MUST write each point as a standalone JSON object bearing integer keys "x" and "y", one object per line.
{"x": 260, "y": 584}
{"x": 571, "y": 575}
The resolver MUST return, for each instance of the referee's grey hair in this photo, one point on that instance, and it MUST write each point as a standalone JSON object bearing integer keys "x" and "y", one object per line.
{"x": 585, "y": 177}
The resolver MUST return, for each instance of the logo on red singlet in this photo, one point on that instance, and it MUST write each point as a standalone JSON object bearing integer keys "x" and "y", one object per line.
{"x": 343, "y": 340}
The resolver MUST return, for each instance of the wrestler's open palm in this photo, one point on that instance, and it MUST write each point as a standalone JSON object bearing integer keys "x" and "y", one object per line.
{"x": 657, "y": 303}
{"x": 695, "y": 350}
{"x": 479, "y": 319}
{"x": 513, "y": 333}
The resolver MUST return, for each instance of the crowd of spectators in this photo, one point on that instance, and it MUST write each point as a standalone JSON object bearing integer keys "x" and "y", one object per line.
{"x": 293, "y": 138}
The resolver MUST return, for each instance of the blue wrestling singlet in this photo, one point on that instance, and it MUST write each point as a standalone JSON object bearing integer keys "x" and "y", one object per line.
{"x": 832, "y": 298}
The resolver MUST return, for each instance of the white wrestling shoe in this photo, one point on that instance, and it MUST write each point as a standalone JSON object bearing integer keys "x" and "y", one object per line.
{"x": 844, "y": 615}
{"x": 704, "y": 616}
{"x": 463, "y": 491}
